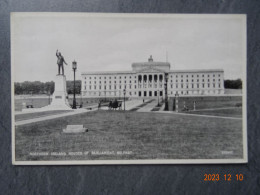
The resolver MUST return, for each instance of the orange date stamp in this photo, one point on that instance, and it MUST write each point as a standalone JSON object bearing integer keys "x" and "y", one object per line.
{"x": 224, "y": 177}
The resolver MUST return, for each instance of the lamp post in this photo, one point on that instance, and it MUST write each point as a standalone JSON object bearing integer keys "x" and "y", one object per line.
{"x": 176, "y": 101}
{"x": 105, "y": 95}
{"x": 158, "y": 94}
{"x": 74, "y": 68}
{"x": 49, "y": 94}
{"x": 166, "y": 94}
{"x": 124, "y": 97}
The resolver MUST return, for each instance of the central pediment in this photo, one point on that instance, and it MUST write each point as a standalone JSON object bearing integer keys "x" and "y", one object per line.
{"x": 156, "y": 67}
{"x": 150, "y": 70}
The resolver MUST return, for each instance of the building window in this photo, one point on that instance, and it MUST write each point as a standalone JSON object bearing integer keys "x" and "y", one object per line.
{"x": 99, "y": 82}
{"x": 203, "y": 85}
{"x": 219, "y": 85}
{"x": 105, "y": 82}
{"x": 198, "y": 86}
{"x": 105, "y": 87}
{"x": 187, "y": 76}
{"x": 213, "y": 75}
{"x": 95, "y": 87}
{"x": 176, "y": 81}
{"x": 192, "y": 86}
{"x": 213, "y": 80}
{"x": 214, "y": 85}
{"x": 95, "y": 82}
{"x": 89, "y": 87}
{"x": 208, "y": 80}
{"x": 219, "y": 75}
{"x": 208, "y": 85}
{"x": 203, "y": 75}
{"x": 135, "y": 86}
{"x": 109, "y": 86}
{"x": 94, "y": 77}
{"x": 99, "y": 77}
{"x": 181, "y": 85}
{"x": 171, "y": 86}
{"x": 125, "y": 77}
{"x": 115, "y": 81}
{"x": 176, "y": 85}
{"x": 105, "y": 77}
{"x": 85, "y": 87}
{"x": 208, "y": 75}
{"x": 181, "y": 76}
{"x": 115, "y": 86}
{"x": 125, "y": 81}
{"x": 198, "y": 80}
{"x": 89, "y": 77}
{"x": 99, "y": 87}
{"x": 109, "y": 77}
{"x": 130, "y": 77}
{"x": 192, "y": 80}
{"x": 119, "y": 86}
{"x": 176, "y": 76}
{"x": 218, "y": 79}
{"x": 115, "y": 77}
{"x": 187, "y": 80}
{"x": 119, "y": 77}
{"x": 89, "y": 82}
{"x": 85, "y": 78}
{"x": 181, "y": 80}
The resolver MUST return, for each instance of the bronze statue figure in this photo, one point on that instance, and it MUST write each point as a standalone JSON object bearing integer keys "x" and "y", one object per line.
{"x": 60, "y": 62}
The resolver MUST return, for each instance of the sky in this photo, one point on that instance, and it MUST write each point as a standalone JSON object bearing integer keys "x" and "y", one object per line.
{"x": 112, "y": 42}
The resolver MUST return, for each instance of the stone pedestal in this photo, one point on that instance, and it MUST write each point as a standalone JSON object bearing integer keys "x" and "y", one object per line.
{"x": 60, "y": 96}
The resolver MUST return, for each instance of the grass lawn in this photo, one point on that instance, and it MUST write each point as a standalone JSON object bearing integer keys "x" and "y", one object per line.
{"x": 39, "y": 114}
{"x": 144, "y": 135}
{"x": 232, "y": 112}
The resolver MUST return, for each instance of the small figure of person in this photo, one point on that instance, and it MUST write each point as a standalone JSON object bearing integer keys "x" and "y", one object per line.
{"x": 60, "y": 62}
{"x": 99, "y": 105}
{"x": 115, "y": 104}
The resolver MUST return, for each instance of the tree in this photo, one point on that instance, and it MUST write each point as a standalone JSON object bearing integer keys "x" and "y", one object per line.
{"x": 233, "y": 84}
{"x": 70, "y": 87}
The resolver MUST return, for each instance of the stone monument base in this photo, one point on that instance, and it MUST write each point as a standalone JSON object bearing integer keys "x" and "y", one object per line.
{"x": 75, "y": 129}
{"x": 59, "y": 97}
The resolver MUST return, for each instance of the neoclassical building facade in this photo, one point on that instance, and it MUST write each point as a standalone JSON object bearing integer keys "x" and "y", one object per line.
{"x": 148, "y": 79}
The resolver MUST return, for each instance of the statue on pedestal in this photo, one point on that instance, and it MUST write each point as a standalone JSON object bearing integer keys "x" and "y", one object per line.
{"x": 60, "y": 62}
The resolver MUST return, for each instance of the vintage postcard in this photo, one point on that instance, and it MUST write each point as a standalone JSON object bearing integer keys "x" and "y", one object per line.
{"x": 94, "y": 88}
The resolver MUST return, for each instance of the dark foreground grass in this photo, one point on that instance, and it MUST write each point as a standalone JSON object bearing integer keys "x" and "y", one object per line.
{"x": 231, "y": 112}
{"x": 140, "y": 135}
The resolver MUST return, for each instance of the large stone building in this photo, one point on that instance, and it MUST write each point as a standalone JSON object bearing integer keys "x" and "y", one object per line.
{"x": 147, "y": 79}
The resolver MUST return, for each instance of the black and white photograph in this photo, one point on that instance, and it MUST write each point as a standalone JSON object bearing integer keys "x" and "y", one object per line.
{"x": 103, "y": 88}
